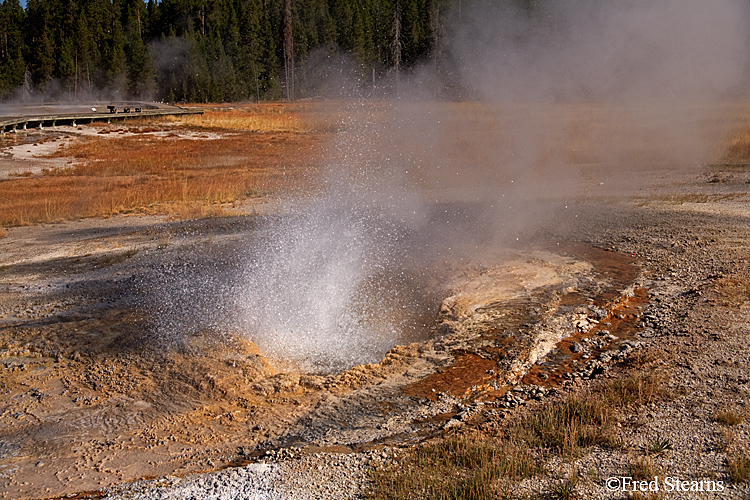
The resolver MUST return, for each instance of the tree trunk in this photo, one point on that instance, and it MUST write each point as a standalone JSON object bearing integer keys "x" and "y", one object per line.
{"x": 288, "y": 51}
{"x": 396, "y": 41}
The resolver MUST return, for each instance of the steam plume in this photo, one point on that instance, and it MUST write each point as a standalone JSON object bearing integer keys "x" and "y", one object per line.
{"x": 414, "y": 185}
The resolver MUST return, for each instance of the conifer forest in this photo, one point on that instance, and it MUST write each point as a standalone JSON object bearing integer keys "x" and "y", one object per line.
{"x": 214, "y": 50}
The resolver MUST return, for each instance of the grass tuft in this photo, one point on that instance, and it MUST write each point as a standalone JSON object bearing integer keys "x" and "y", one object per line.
{"x": 738, "y": 460}
{"x": 568, "y": 426}
{"x": 658, "y": 446}
{"x": 642, "y": 469}
{"x": 564, "y": 489}
{"x": 739, "y": 467}
{"x": 734, "y": 290}
{"x": 457, "y": 467}
{"x": 638, "y": 389}
{"x": 729, "y": 417}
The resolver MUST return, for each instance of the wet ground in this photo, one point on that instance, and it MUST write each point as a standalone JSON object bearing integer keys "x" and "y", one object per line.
{"x": 94, "y": 394}
{"x": 115, "y": 364}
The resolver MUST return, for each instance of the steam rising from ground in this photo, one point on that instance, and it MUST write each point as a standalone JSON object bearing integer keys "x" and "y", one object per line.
{"x": 630, "y": 51}
{"x": 342, "y": 277}
{"x": 644, "y": 74}
{"x": 330, "y": 291}
{"x": 413, "y": 185}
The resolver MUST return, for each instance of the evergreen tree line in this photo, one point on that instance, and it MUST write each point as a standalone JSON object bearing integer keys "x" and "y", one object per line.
{"x": 211, "y": 50}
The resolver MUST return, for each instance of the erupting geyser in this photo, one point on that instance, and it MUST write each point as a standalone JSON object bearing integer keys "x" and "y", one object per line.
{"x": 329, "y": 290}
{"x": 569, "y": 101}
{"x": 338, "y": 280}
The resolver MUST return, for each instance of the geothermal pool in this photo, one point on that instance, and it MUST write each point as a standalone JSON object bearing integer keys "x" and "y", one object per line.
{"x": 124, "y": 364}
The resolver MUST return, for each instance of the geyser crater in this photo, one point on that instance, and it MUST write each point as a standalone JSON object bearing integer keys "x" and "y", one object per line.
{"x": 332, "y": 287}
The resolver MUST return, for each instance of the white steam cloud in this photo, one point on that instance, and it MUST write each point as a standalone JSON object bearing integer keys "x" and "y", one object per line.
{"x": 415, "y": 185}
{"x": 629, "y": 51}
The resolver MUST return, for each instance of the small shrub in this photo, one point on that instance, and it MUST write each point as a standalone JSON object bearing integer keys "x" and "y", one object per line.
{"x": 658, "y": 445}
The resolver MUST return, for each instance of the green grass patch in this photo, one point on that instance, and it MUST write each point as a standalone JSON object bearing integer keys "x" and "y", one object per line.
{"x": 659, "y": 446}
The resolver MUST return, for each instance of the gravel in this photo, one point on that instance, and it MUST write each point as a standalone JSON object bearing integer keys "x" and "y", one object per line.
{"x": 316, "y": 476}
{"x": 700, "y": 335}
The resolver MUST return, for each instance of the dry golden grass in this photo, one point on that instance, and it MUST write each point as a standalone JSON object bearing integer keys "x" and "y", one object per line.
{"x": 738, "y": 459}
{"x": 569, "y": 426}
{"x": 248, "y": 119}
{"x": 456, "y": 467}
{"x": 729, "y": 417}
{"x": 639, "y": 388}
{"x": 734, "y": 290}
{"x": 682, "y": 198}
{"x": 643, "y": 469}
{"x": 475, "y": 467}
{"x": 739, "y": 467}
{"x": 25, "y": 173}
{"x": 64, "y": 198}
{"x": 738, "y": 149}
{"x": 144, "y": 173}
{"x": 268, "y": 117}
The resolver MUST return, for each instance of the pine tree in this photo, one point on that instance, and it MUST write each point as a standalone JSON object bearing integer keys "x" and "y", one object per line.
{"x": 288, "y": 51}
{"x": 140, "y": 69}
{"x": 12, "y": 65}
{"x": 213, "y": 49}
{"x": 87, "y": 58}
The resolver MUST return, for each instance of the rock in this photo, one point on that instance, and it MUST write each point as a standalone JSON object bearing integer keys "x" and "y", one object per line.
{"x": 598, "y": 312}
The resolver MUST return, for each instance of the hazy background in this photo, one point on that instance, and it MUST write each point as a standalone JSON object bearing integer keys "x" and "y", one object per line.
{"x": 576, "y": 99}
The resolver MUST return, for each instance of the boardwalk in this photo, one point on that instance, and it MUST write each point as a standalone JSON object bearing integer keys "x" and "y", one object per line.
{"x": 22, "y": 117}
